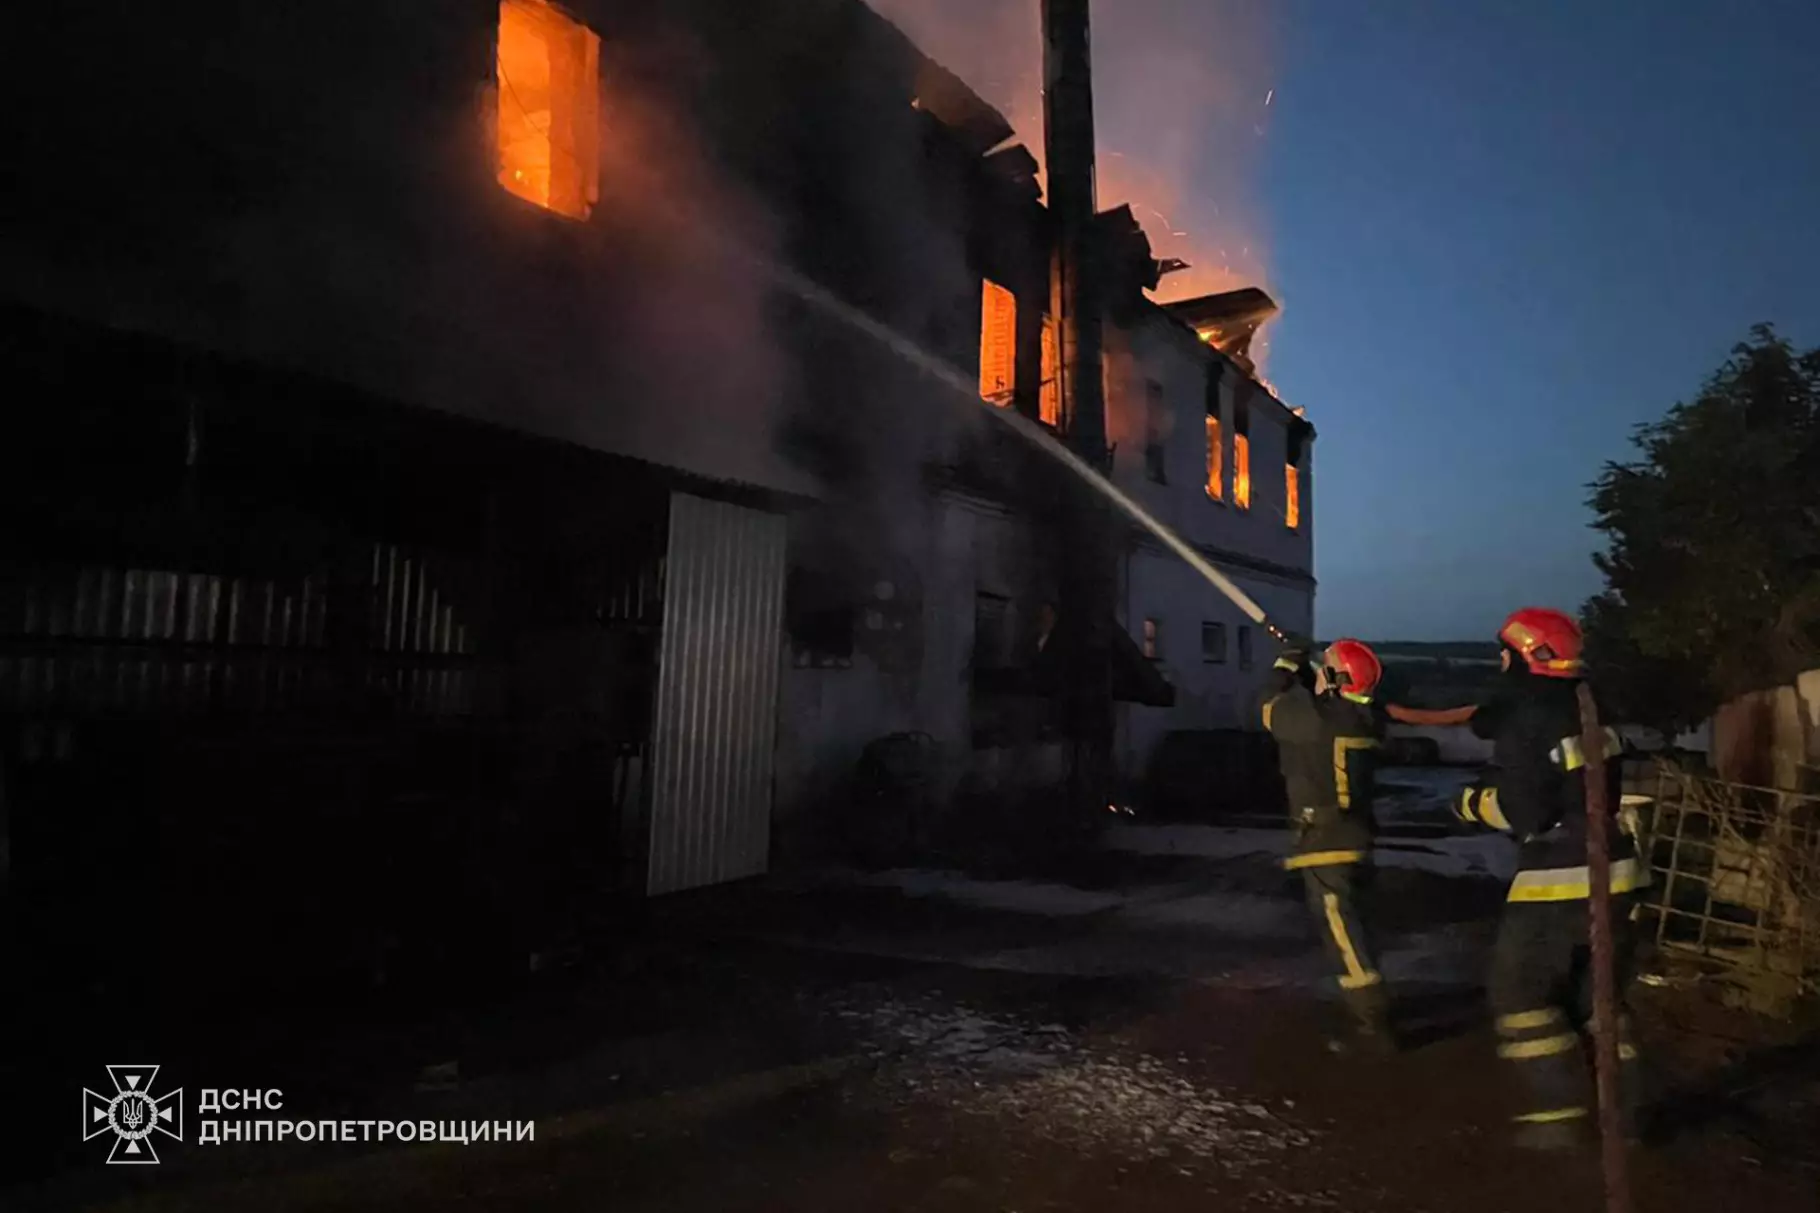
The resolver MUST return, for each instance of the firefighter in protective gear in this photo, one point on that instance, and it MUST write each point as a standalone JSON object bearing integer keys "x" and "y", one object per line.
{"x": 1327, "y": 740}
{"x": 1291, "y": 668}
{"x": 1540, "y": 984}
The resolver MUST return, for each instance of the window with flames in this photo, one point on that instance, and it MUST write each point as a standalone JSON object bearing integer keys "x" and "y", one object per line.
{"x": 1299, "y": 433}
{"x": 1216, "y": 438}
{"x": 1216, "y": 460}
{"x": 548, "y": 107}
{"x": 1049, "y": 401}
{"x": 1241, "y": 454}
{"x": 998, "y": 343}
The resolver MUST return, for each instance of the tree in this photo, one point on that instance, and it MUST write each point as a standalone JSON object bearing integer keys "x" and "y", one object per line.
{"x": 1712, "y": 574}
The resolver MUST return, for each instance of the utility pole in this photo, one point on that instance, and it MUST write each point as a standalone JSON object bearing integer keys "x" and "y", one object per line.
{"x": 1069, "y": 153}
{"x": 1087, "y": 572}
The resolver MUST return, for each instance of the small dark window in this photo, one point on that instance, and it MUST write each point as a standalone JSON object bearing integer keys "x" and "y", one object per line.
{"x": 1244, "y": 647}
{"x": 1155, "y": 428}
{"x": 991, "y": 632}
{"x": 1213, "y": 642}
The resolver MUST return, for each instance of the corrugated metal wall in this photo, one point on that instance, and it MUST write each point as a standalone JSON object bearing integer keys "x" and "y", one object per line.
{"x": 714, "y": 732}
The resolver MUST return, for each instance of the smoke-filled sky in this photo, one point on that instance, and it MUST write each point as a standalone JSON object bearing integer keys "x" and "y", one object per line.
{"x": 1503, "y": 234}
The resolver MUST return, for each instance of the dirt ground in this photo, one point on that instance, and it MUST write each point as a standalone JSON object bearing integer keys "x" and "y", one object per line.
{"x": 1143, "y": 1031}
{"x": 1204, "y": 1096}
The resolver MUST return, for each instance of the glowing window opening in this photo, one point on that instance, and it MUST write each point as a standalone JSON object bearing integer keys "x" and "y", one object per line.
{"x": 1049, "y": 399}
{"x": 1216, "y": 460}
{"x": 1241, "y": 471}
{"x": 998, "y": 343}
{"x": 548, "y": 107}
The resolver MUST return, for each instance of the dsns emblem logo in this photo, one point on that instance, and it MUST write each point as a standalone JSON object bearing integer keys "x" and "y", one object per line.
{"x": 132, "y": 1114}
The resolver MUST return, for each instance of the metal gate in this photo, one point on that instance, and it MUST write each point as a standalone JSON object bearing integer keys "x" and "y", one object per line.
{"x": 1737, "y": 884}
{"x": 714, "y": 729}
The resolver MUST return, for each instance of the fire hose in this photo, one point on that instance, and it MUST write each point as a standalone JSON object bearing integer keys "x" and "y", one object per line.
{"x": 942, "y": 372}
{"x": 1598, "y": 854}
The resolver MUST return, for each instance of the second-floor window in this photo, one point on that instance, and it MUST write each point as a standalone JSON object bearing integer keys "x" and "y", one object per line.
{"x": 998, "y": 343}
{"x": 1155, "y": 427}
{"x": 1153, "y": 639}
{"x": 1241, "y": 454}
{"x": 1299, "y": 433}
{"x": 1049, "y": 400}
{"x": 1216, "y": 439}
{"x": 1216, "y": 460}
{"x": 549, "y": 107}
{"x": 1244, "y": 646}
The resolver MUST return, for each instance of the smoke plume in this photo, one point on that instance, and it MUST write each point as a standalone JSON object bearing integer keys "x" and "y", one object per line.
{"x": 1183, "y": 92}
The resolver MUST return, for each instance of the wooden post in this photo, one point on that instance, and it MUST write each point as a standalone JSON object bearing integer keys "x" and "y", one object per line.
{"x": 1604, "y": 970}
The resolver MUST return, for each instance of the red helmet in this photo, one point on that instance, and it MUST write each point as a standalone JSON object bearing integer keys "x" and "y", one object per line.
{"x": 1353, "y": 669}
{"x": 1547, "y": 641}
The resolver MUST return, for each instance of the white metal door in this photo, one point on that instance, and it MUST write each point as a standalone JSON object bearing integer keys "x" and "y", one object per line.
{"x": 714, "y": 731}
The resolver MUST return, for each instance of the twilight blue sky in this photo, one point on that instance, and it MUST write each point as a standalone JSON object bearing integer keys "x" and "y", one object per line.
{"x": 1504, "y": 234}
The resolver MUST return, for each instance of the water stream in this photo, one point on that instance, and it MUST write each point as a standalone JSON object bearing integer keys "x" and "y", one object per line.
{"x": 950, "y": 376}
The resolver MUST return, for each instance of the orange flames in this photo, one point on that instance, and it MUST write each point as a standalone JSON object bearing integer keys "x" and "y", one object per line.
{"x": 1216, "y": 460}
{"x": 1183, "y": 99}
{"x": 1049, "y": 404}
{"x": 998, "y": 343}
{"x": 1241, "y": 471}
{"x": 549, "y": 108}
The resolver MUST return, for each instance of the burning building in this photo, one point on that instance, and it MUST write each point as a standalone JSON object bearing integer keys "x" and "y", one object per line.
{"x": 1217, "y": 456}
{"x": 436, "y": 489}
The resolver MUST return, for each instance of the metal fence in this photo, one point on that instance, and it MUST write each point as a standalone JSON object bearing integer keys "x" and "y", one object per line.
{"x": 85, "y": 639}
{"x": 338, "y": 671}
{"x": 1736, "y": 890}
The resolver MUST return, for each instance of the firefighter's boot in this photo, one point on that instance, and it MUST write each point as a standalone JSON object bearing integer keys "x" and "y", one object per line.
{"x": 1551, "y": 1136}
{"x": 1632, "y": 1091}
{"x": 1367, "y": 1031}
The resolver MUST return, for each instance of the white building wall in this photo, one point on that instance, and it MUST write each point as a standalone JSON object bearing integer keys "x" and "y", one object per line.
{"x": 1212, "y": 692}
{"x": 963, "y": 547}
{"x": 1160, "y": 351}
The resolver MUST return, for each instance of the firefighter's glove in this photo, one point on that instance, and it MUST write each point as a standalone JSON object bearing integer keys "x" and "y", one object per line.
{"x": 1294, "y": 653}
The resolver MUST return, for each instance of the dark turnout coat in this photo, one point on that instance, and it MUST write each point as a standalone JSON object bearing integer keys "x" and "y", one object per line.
{"x": 1327, "y": 746}
{"x": 1536, "y": 791}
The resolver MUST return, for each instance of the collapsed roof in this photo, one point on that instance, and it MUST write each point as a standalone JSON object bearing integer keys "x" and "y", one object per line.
{"x": 943, "y": 94}
{"x": 1228, "y": 320}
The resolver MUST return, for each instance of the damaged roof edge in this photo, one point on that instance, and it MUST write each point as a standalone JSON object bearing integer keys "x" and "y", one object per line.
{"x": 1164, "y": 316}
{"x": 1247, "y": 304}
{"x": 945, "y": 96}
{"x": 948, "y": 98}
